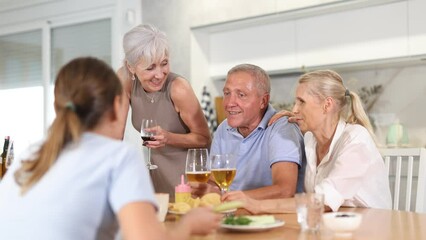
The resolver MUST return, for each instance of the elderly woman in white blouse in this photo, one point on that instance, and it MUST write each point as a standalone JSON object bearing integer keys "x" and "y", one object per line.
{"x": 343, "y": 161}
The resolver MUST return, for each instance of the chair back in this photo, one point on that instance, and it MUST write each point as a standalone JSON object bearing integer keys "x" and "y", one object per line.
{"x": 407, "y": 177}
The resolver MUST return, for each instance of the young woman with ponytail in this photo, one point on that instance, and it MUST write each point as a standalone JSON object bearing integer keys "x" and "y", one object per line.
{"x": 83, "y": 182}
{"x": 343, "y": 161}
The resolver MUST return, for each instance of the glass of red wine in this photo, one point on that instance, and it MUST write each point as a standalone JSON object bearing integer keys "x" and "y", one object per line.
{"x": 147, "y": 133}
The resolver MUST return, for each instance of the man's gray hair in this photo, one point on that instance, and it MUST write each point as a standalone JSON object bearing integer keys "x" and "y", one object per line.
{"x": 260, "y": 76}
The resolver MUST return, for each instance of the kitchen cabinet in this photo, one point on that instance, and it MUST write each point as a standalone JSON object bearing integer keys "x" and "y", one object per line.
{"x": 390, "y": 32}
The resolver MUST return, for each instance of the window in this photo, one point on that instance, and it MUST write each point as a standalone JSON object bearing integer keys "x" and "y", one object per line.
{"x": 78, "y": 40}
{"x": 22, "y": 91}
{"x": 21, "y": 87}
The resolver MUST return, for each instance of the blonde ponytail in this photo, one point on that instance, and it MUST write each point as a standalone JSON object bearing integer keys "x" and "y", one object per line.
{"x": 85, "y": 89}
{"x": 357, "y": 114}
{"x": 65, "y": 128}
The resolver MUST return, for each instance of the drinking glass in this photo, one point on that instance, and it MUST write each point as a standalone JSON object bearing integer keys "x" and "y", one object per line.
{"x": 197, "y": 167}
{"x": 224, "y": 169}
{"x": 163, "y": 205}
{"x": 310, "y": 207}
{"x": 148, "y": 124}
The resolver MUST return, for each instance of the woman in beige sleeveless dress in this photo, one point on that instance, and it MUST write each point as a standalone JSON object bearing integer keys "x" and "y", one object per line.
{"x": 154, "y": 92}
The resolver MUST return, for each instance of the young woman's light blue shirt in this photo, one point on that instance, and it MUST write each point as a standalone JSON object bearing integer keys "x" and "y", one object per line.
{"x": 80, "y": 196}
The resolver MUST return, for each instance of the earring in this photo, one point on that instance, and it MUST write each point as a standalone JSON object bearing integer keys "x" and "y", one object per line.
{"x": 133, "y": 77}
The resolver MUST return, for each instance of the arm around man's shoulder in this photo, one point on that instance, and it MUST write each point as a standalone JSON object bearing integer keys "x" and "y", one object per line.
{"x": 286, "y": 141}
{"x": 286, "y": 129}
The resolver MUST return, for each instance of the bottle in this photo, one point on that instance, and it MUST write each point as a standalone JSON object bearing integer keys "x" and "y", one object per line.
{"x": 4, "y": 155}
{"x": 397, "y": 135}
{"x": 10, "y": 156}
{"x": 182, "y": 191}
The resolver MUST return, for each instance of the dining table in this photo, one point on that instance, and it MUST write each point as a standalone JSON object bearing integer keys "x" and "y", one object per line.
{"x": 376, "y": 224}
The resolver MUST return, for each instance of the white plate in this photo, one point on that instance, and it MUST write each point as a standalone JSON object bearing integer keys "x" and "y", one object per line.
{"x": 256, "y": 228}
{"x": 180, "y": 213}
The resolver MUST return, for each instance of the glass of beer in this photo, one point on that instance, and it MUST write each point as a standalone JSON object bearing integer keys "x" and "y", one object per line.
{"x": 197, "y": 165}
{"x": 223, "y": 168}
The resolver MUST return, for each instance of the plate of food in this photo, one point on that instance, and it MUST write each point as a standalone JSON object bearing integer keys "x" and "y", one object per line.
{"x": 177, "y": 212}
{"x": 182, "y": 208}
{"x": 208, "y": 200}
{"x": 251, "y": 223}
{"x": 179, "y": 208}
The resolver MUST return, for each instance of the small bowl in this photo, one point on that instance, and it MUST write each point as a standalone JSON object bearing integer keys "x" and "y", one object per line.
{"x": 342, "y": 223}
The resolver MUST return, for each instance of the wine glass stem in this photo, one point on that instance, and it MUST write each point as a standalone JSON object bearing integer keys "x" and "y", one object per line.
{"x": 223, "y": 191}
{"x": 149, "y": 157}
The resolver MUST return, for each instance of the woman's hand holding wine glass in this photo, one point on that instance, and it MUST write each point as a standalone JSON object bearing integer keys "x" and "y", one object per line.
{"x": 147, "y": 133}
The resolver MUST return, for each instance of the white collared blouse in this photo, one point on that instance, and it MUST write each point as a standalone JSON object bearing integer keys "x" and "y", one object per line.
{"x": 352, "y": 173}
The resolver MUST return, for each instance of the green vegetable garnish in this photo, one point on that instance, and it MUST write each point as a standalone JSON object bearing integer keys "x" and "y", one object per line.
{"x": 231, "y": 220}
{"x": 260, "y": 220}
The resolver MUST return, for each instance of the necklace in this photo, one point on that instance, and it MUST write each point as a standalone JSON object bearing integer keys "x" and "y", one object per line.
{"x": 153, "y": 98}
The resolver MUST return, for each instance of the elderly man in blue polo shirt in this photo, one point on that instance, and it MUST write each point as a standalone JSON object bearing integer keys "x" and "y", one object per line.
{"x": 270, "y": 159}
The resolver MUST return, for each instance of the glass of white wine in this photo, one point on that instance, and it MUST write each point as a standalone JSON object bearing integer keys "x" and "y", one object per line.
{"x": 197, "y": 167}
{"x": 223, "y": 169}
{"x": 146, "y": 135}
